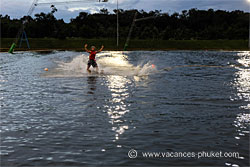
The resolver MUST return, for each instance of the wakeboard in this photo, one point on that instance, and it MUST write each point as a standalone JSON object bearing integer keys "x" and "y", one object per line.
{"x": 101, "y": 72}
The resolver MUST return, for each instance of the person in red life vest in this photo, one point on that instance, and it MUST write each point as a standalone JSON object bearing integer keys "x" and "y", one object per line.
{"x": 92, "y": 54}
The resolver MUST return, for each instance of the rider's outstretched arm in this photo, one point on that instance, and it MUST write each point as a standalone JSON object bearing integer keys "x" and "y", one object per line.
{"x": 86, "y": 49}
{"x": 101, "y": 49}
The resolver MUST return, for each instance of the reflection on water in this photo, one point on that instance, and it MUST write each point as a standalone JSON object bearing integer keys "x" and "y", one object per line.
{"x": 242, "y": 85}
{"x": 92, "y": 84}
{"x": 118, "y": 87}
{"x": 242, "y": 79}
{"x": 117, "y": 108}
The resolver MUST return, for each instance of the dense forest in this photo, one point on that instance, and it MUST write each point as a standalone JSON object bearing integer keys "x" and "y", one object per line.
{"x": 191, "y": 24}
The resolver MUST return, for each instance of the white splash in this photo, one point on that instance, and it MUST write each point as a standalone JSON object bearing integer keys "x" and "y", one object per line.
{"x": 112, "y": 63}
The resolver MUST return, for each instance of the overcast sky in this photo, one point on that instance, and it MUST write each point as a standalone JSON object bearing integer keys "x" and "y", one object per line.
{"x": 19, "y": 8}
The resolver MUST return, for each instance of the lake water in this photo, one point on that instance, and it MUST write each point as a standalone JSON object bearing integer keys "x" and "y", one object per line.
{"x": 166, "y": 102}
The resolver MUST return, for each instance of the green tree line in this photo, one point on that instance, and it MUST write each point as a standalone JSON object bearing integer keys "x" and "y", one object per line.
{"x": 192, "y": 24}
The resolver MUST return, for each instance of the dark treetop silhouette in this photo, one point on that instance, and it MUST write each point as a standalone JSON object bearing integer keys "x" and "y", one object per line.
{"x": 192, "y": 24}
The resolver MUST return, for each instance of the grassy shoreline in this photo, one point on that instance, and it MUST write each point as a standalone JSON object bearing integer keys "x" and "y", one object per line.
{"x": 76, "y": 44}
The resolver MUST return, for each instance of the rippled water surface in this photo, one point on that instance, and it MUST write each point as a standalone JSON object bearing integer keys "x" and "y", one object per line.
{"x": 176, "y": 101}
